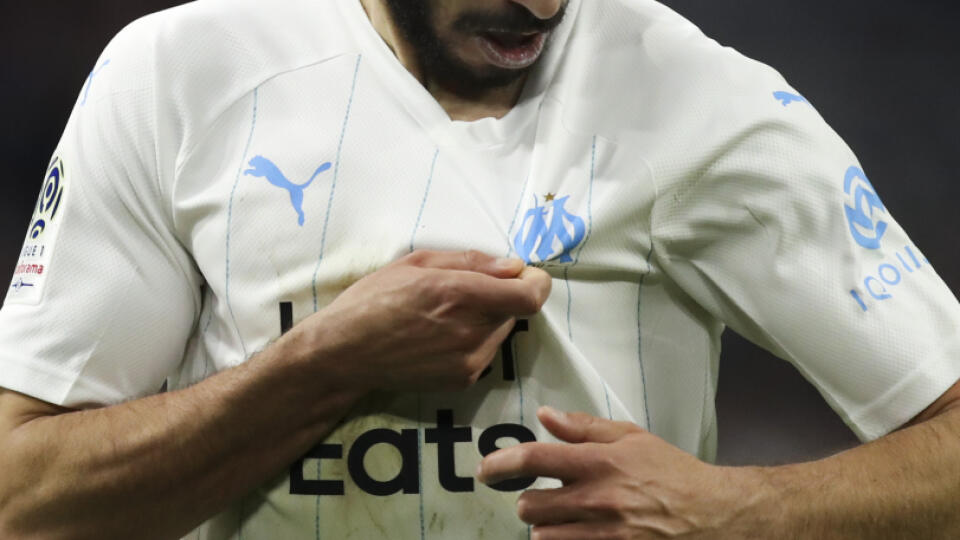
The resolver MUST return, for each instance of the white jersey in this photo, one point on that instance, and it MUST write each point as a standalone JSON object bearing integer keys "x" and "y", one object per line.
{"x": 233, "y": 165}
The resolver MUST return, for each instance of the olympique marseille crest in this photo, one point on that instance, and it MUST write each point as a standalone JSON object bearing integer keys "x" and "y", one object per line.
{"x": 549, "y": 232}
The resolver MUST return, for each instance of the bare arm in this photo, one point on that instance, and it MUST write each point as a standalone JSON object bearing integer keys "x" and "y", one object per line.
{"x": 904, "y": 485}
{"x": 157, "y": 467}
{"x": 621, "y": 481}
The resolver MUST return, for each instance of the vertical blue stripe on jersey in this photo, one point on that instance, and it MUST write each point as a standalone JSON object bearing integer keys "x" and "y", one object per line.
{"x": 566, "y": 271}
{"x": 413, "y": 239}
{"x": 593, "y": 176}
{"x": 516, "y": 357}
{"x": 643, "y": 373}
{"x": 516, "y": 213}
{"x": 326, "y": 221}
{"x": 233, "y": 192}
{"x": 426, "y": 194}
{"x": 336, "y": 176}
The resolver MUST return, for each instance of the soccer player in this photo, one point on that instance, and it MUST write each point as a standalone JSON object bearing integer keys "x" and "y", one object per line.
{"x": 329, "y": 268}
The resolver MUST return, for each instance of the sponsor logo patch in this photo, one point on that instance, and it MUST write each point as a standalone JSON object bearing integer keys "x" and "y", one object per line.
{"x": 882, "y": 282}
{"x": 864, "y": 209}
{"x": 26, "y": 287}
{"x": 865, "y": 212}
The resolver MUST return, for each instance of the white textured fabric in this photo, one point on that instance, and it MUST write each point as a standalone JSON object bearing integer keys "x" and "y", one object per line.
{"x": 232, "y": 162}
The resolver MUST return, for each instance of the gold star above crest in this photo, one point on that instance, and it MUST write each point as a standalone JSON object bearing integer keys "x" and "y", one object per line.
{"x": 550, "y": 197}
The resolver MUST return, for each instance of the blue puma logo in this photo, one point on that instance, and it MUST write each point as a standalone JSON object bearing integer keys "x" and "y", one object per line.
{"x": 262, "y": 167}
{"x": 787, "y": 98}
{"x": 94, "y": 73}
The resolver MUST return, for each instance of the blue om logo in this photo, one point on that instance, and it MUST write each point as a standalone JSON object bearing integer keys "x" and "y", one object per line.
{"x": 866, "y": 229}
{"x": 787, "y": 98}
{"x": 261, "y": 167}
{"x": 546, "y": 232}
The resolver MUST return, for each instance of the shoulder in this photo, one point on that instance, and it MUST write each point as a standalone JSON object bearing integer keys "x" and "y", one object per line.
{"x": 242, "y": 38}
{"x": 278, "y": 30}
{"x": 641, "y": 75}
{"x": 660, "y": 70}
{"x": 191, "y": 63}
{"x": 251, "y": 35}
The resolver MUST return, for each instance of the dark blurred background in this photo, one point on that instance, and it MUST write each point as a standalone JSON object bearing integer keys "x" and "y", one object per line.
{"x": 886, "y": 75}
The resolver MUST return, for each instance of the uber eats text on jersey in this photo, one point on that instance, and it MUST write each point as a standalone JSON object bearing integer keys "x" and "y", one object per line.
{"x": 407, "y": 480}
{"x": 407, "y": 443}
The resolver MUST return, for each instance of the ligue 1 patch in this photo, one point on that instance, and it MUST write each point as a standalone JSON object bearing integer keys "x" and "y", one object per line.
{"x": 34, "y": 263}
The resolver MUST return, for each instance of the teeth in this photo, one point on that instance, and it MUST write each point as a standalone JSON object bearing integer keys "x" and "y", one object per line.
{"x": 519, "y": 56}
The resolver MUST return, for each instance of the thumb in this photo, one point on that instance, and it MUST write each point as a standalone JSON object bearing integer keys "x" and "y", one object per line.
{"x": 469, "y": 261}
{"x": 582, "y": 427}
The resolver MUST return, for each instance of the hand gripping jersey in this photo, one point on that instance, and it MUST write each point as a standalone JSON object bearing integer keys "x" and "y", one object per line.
{"x": 231, "y": 166}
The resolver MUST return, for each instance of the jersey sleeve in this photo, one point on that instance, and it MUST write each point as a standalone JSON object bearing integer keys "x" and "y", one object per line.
{"x": 780, "y": 234}
{"x": 104, "y": 296}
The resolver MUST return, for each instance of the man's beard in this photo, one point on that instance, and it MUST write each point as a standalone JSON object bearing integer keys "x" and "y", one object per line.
{"x": 414, "y": 20}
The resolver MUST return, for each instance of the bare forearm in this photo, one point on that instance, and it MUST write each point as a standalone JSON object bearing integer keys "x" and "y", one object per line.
{"x": 905, "y": 485}
{"x": 156, "y": 467}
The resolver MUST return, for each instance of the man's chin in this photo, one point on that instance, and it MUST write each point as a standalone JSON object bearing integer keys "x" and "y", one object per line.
{"x": 472, "y": 81}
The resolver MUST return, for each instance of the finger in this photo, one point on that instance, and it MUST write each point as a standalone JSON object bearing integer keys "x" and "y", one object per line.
{"x": 488, "y": 350}
{"x": 587, "y": 531}
{"x": 568, "y": 504}
{"x": 561, "y": 461}
{"x": 502, "y": 297}
{"x": 470, "y": 261}
{"x": 539, "y": 280}
{"x": 581, "y": 427}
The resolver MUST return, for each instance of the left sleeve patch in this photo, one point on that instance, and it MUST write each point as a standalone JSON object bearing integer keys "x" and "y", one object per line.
{"x": 34, "y": 262}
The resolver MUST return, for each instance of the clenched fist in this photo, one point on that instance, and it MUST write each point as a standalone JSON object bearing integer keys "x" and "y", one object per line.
{"x": 429, "y": 321}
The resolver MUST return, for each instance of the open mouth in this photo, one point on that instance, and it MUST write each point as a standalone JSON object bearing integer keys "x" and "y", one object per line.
{"x": 511, "y": 50}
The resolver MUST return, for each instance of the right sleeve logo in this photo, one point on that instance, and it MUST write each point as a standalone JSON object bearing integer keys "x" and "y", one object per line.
{"x": 864, "y": 209}
{"x": 865, "y": 213}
